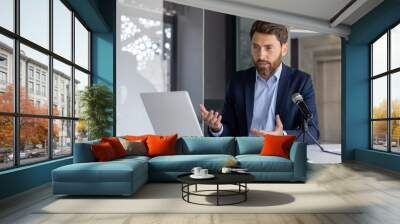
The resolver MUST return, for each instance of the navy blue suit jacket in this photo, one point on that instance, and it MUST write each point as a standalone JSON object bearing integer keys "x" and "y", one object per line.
{"x": 239, "y": 101}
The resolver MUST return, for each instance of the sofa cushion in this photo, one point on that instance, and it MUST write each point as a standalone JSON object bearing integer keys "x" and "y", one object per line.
{"x": 111, "y": 171}
{"x": 159, "y": 145}
{"x": 206, "y": 145}
{"x": 257, "y": 163}
{"x": 116, "y": 145}
{"x": 83, "y": 152}
{"x": 249, "y": 145}
{"x": 103, "y": 152}
{"x": 277, "y": 145}
{"x": 185, "y": 163}
{"x": 134, "y": 147}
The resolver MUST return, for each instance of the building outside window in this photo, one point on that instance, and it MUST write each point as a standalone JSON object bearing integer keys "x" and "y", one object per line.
{"x": 56, "y": 134}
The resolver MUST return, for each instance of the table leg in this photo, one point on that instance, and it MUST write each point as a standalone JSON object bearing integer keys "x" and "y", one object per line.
{"x": 217, "y": 194}
{"x": 245, "y": 193}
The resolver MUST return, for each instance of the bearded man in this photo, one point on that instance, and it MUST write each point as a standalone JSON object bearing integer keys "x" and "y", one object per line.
{"x": 258, "y": 100}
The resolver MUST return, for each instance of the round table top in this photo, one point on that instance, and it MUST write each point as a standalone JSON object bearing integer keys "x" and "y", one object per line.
{"x": 220, "y": 178}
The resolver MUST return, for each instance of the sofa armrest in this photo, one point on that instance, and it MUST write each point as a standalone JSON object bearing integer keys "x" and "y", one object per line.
{"x": 298, "y": 155}
{"x": 83, "y": 152}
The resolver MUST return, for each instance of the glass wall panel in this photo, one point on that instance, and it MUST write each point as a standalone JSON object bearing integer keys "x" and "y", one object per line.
{"x": 379, "y": 135}
{"x": 34, "y": 21}
{"x": 34, "y": 81}
{"x": 6, "y": 142}
{"x": 34, "y": 144}
{"x": 379, "y": 98}
{"x": 62, "y": 30}
{"x": 6, "y": 74}
{"x": 62, "y": 89}
{"x": 62, "y": 138}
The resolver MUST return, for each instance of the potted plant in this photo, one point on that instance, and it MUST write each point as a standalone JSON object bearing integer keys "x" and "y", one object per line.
{"x": 96, "y": 102}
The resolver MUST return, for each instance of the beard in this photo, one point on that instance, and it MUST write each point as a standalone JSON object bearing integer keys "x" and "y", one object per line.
{"x": 266, "y": 68}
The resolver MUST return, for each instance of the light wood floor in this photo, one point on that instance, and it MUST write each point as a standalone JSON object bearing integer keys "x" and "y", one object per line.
{"x": 378, "y": 188}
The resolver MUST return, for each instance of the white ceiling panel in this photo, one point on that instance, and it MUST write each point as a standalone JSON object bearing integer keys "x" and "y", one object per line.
{"x": 314, "y": 15}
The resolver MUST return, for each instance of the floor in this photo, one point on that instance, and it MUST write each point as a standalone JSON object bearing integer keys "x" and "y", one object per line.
{"x": 379, "y": 189}
{"x": 332, "y": 155}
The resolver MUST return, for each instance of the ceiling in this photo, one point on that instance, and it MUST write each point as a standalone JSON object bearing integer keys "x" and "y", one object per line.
{"x": 313, "y": 15}
{"x": 320, "y": 9}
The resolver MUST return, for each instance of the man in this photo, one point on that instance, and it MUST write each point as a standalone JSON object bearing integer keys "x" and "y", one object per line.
{"x": 258, "y": 100}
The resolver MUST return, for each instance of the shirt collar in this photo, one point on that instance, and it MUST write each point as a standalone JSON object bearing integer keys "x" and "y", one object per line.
{"x": 276, "y": 74}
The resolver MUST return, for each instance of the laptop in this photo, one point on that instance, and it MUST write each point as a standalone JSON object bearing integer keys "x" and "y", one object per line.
{"x": 172, "y": 112}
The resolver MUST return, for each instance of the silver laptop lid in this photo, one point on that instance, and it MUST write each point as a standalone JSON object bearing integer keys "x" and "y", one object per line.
{"x": 172, "y": 112}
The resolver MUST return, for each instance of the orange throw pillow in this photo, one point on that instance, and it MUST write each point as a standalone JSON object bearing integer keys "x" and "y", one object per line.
{"x": 161, "y": 145}
{"x": 116, "y": 145}
{"x": 277, "y": 145}
{"x": 103, "y": 151}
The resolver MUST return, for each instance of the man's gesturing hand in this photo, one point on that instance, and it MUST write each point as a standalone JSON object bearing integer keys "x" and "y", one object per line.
{"x": 278, "y": 129}
{"x": 211, "y": 118}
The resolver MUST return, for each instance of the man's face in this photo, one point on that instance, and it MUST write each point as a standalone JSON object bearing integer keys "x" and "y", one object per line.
{"x": 267, "y": 53}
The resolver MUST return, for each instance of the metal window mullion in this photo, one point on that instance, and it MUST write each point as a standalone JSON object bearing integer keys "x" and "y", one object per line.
{"x": 16, "y": 85}
{"x": 73, "y": 82}
{"x": 371, "y": 111}
{"x": 50, "y": 81}
{"x": 389, "y": 102}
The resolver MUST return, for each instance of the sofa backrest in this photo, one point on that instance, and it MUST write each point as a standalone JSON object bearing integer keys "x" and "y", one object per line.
{"x": 249, "y": 145}
{"x": 83, "y": 152}
{"x": 206, "y": 145}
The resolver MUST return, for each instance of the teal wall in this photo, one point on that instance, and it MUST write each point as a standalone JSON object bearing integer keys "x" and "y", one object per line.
{"x": 103, "y": 62}
{"x": 355, "y": 84}
{"x": 24, "y": 178}
{"x": 99, "y": 15}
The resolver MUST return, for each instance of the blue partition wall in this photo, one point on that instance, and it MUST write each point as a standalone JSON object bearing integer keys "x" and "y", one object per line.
{"x": 355, "y": 86}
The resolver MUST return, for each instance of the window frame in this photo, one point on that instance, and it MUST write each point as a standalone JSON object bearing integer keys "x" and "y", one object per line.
{"x": 388, "y": 74}
{"x": 16, "y": 114}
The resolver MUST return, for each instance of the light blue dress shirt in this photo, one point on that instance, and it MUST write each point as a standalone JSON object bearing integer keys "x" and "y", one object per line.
{"x": 265, "y": 94}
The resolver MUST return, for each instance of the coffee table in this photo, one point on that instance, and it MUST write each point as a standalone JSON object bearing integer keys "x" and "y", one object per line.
{"x": 238, "y": 179}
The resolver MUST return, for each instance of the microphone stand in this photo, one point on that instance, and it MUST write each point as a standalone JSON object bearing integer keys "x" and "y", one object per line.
{"x": 304, "y": 130}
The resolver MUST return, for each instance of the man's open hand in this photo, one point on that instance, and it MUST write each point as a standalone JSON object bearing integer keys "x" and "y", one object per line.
{"x": 211, "y": 118}
{"x": 278, "y": 129}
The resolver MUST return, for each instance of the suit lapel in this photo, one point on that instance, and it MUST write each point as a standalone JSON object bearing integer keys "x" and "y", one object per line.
{"x": 249, "y": 96}
{"x": 283, "y": 88}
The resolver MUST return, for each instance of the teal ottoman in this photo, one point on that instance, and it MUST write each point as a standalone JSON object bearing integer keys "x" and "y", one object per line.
{"x": 118, "y": 177}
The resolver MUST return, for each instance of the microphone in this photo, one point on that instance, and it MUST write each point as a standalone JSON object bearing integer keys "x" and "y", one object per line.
{"x": 298, "y": 99}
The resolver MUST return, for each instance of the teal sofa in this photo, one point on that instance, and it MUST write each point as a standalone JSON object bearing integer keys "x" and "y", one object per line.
{"x": 125, "y": 176}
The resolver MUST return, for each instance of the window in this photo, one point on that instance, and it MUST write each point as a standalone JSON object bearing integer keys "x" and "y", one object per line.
{"x": 35, "y": 21}
{"x": 62, "y": 29}
{"x": 7, "y": 14}
{"x": 30, "y": 72}
{"x": 385, "y": 94}
{"x": 3, "y": 78}
{"x": 3, "y": 61}
{"x": 37, "y": 89}
{"x": 62, "y": 137}
{"x": 37, "y": 74}
{"x": 6, "y": 142}
{"x": 81, "y": 45}
{"x": 30, "y": 87}
{"x": 45, "y": 131}
{"x": 62, "y": 74}
{"x": 43, "y": 90}
{"x": 6, "y": 73}
{"x": 81, "y": 81}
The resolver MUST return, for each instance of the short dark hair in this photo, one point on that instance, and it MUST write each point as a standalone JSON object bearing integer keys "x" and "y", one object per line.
{"x": 280, "y": 31}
